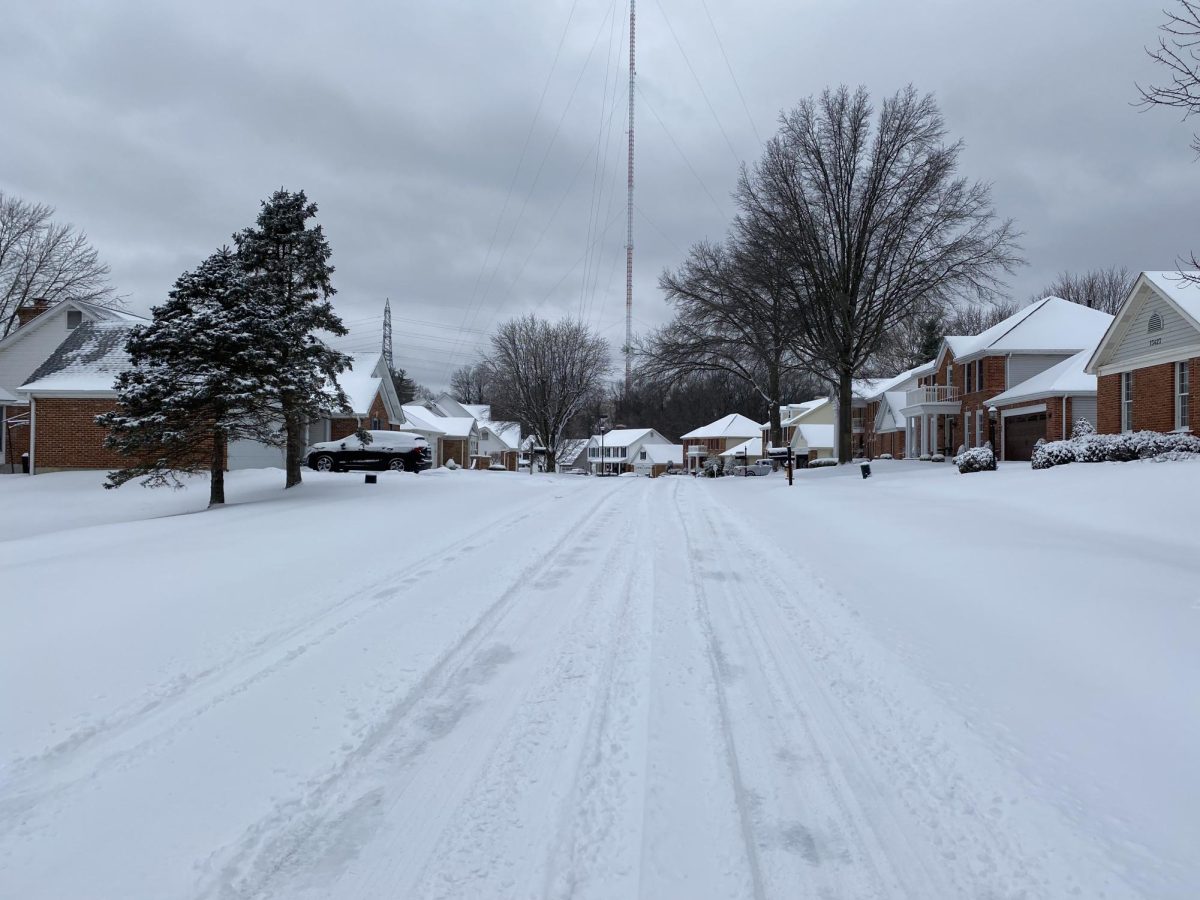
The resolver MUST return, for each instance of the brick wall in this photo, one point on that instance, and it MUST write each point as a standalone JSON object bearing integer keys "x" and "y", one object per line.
{"x": 1108, "y": 404}
{"x": 68, "y": 437}
{"x": 16, "y": 438}
{"x": 455, "y": 449}
{"x": 1153, "y": 399}
{"x": 994, "y": 382}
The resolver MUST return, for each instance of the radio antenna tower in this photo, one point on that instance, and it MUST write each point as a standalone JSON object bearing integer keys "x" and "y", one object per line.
{"x": 387, "y": 334}
{"x": 629, "y": 211}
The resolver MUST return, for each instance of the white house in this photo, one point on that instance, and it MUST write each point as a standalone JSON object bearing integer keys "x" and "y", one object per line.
{"x": 655, "y": 459}
{"x": 619, "y": 449}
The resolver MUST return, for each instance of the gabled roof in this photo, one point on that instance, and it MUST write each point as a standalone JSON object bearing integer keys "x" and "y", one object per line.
{"x": 569, "y": 450}
{"x": 446, "y": 405}
{"x": 481, "y": 411}
{"x": 752, "y": 447}
{"x": 418, "y": 418}
{"x": 661, "y": 454}
{"x": 1051, "y": 325}
{"x": 1066, "y": 378}
{"x": 456, "y": 426}
{"x": 508, "y": 433}
{"x": 1179, "y": 289}
{"x": 88, "y": 361}
{"x": 734, "y": 425}
{"x": 889, "y": 417}
{"x": 94, "y": 312}
{"x": 806, "y": 409}
{"x": 814, "y": 436}
{"x": 624, "y": 437}
{"x": 361, "y": 383}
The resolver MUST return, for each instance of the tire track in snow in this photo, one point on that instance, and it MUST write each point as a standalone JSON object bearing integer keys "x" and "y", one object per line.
{"x": 306, "y": 838}
{"x": 951, "y": 825}
{"x": 39, "y": 781}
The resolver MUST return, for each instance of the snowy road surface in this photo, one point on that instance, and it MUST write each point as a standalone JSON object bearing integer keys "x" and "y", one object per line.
{"x": 590, "y": 688}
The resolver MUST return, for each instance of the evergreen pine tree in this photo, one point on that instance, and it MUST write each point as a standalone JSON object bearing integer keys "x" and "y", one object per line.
{"x": 931, "y": 337}
{"x": 406, "y": 388}
{"x": 287, "y": 259}
{"x": 200, "y": 378}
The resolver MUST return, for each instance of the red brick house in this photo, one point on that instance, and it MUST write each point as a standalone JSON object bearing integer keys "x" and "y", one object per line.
{"x": 1146, "y": 361}
{"x": 716, "y": 437}
{"x": 41, "y": 326}
{"x": 953, "y": 405}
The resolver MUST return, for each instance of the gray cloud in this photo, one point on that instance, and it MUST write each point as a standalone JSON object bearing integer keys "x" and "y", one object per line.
{"x": 159, "y": 127}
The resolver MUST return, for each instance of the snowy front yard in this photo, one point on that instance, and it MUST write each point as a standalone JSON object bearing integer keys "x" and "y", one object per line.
{"x": 494, "y": 685}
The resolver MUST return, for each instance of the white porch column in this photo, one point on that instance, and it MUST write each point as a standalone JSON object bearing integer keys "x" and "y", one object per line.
{"x": 934, "y": 448}
{"x": 924, "y": 435}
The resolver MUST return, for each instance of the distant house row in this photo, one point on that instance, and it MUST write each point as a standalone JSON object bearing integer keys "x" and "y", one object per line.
{"x": 1034, "y": 374}
{"x": 58, "y": 367}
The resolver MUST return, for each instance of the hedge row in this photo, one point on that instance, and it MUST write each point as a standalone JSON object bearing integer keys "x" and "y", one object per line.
{"x": 1113, "y": 448}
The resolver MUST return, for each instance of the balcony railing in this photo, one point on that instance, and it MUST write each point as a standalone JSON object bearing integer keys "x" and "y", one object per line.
{"x": 934, "y": 393}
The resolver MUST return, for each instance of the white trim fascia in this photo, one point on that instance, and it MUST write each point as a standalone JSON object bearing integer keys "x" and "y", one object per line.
{"x": 69, "y": 394}
{"x": 1122, "y": 321}
{"x": 1044, "y": 395}
{"x": 1150, "y": 359}
{"x": 32, "y": 436}
{"x": 1023, "y": 410}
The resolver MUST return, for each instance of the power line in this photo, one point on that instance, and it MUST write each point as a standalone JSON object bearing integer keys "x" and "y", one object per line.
{"x": 687, "y": 162}
{"x": 729, "y": 68}
{"x": 700, "y": 85}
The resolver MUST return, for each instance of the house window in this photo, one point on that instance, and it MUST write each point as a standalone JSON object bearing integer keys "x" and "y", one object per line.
{"x": 642, "y": 455}
{"x": 374, "y": 424}
{"x": 1126, "y": 401}
{"x": 967, "y": 372}
{"x": 74, "y": 319}
{"x": 979, "y": 428}
{"x": 979, "y": 385}
{"x": 1182, "y": 396}
{"x": 1155, "y": 324}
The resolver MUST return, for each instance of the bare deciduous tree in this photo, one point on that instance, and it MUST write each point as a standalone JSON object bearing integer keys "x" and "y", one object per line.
{"x": 1178, "y": 52}
{"x": 732, "y": 316}
{"x": 1102, "y": 289}
{"x": 873, "y": 224}
{"x": 469, "y": 384}
{"x": 41, "y": 258}
{"x": 542, "y": 374}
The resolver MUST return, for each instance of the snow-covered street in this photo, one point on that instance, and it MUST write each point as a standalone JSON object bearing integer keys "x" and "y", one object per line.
{"x": 491, "y": 685}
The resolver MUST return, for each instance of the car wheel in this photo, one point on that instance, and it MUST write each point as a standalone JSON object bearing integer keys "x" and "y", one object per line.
{"x": 396, "y": 464}
{"x": 323, "y": 463}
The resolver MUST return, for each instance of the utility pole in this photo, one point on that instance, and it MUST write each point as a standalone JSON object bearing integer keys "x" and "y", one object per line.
{"x": 629, "y": 211}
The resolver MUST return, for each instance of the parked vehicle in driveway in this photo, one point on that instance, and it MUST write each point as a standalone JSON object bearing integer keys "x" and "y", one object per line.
{"x": 762, "y": 467}
{"x": 399, "y": 451}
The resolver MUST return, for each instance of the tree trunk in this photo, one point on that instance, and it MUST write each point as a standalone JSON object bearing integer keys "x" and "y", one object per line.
{"x": 216, "y": 472}
{"x": 845, "y": 416}
{"x": 776, "y": 431}
{"x": 295, "y": 449}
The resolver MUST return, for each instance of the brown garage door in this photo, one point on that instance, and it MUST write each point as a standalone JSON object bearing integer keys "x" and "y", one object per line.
{"x": 1021, "y": 433}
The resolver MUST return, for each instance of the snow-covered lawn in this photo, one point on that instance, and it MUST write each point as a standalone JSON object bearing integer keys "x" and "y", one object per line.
{"x": 491, "y": 685}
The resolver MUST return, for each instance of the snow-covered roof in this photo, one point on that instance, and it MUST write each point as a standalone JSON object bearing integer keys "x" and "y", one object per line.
{"x": 6, "y": 397}
{"x": 481, "y": 411}
{"x": 1182, "y": 288}
{"x": 418, "y": 418}
{"x": 508, "y": 433}
{"x": 814, "y": 436}
{"x": 361, "y": 383}
{"x": 661, "y": 454}
{"x": 804, "y": 409}
{"x": 889, "y": 417}
{"x": 88, "y": 361}
{"x": 623, "y": 437}
{"x": 734, "y": 425}
{"x": 455, "y": 426}
{"x": 569, "y": 450}
{"x": 1051, "y": 325}
{"x": 884, "y": 385}
{"x": 1067, "y": 377}
{"x": 752, "y": 447}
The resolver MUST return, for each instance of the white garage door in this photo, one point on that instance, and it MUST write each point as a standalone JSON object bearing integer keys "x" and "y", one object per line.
{"x": 253, "y": 455}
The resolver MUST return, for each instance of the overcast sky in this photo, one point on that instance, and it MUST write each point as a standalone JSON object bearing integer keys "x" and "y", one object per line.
{"x": 448, "y": 181}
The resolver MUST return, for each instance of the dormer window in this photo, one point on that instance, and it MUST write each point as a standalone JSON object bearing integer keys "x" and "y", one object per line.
{"x": 74, "y": 319}
{"x": 1155, "y": 324}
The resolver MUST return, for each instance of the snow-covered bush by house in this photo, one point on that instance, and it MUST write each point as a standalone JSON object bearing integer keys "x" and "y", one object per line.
{"x": 1082, "y": 428}
{"x": 977, "y": 459}
{"x": 938, "y": 457}
{"x": 1115, "y": 448}
{"x": 822, "y": 462}
{"x": 885, "y": 456}
{"x": 713, "y": 467}
{"x": 925, "y": 457}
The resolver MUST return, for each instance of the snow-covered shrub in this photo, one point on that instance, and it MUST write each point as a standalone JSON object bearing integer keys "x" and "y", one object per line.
{"x": 977, "y": 459}
{"x": 924, "y": 457}
{"x": 938, "y": 457}
{"x": 451, "y": 464}
{"x": 962, "y": 448}
{"x": 822, "y": 462}
{"x": 1082, "y": 428}
{"x": 885, "y": 456}
{"x": 713, "y": 466}
{"x": 1054, "y": 453}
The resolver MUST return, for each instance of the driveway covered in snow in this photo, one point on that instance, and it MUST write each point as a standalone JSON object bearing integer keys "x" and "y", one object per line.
{"x": 490, "y": 685}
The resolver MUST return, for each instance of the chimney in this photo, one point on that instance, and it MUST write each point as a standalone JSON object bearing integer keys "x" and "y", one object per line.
{"x": 31, "y": 310}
